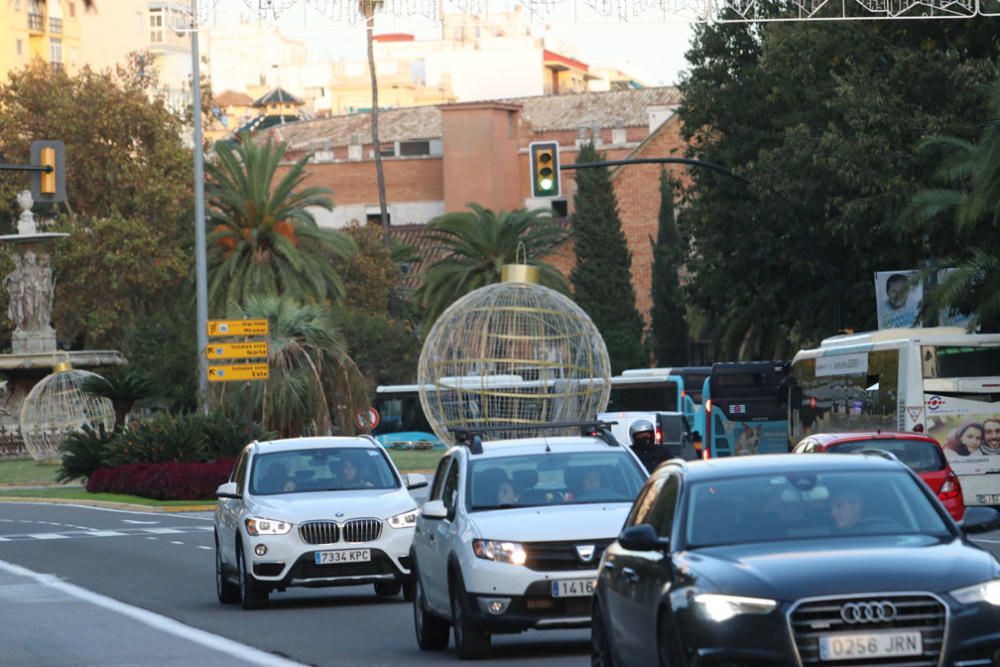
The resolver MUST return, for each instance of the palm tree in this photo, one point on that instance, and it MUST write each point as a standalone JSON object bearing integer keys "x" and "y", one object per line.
{"x": 478, "y": 244}
{"x": 311, "y": 373}
{"x": 368, "y": 9}
{"x": 968, "y": 210}
{"x": 264, "y": 240}
{"x": 123, "y": 386}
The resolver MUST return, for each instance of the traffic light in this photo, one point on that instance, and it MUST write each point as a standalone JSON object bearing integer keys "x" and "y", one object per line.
{"x": 544, "y": 168}
{"x": 48, "y": 186}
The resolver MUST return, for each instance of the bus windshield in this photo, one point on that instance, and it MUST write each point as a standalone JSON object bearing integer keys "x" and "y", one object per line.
{"x": 745, "y": 408}
{"x": 650, "y": 396}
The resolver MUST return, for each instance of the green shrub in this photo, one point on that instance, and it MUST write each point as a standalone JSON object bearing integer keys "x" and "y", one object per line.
{"x": 164, "y": 438}
{"x": 83, "y": 453}
{"x": 225, "y": 436}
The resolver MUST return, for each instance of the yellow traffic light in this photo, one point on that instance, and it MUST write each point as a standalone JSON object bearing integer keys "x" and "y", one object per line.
{"x": 48, "y": 160}
{"x": 544, "y": 168}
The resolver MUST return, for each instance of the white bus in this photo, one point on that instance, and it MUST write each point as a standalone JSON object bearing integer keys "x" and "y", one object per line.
{"x": 940, "y": 380}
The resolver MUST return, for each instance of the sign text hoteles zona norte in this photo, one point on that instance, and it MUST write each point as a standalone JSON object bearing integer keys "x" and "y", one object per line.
{"x": 220, "y": 328}
{"x": 235, "y": 372}
{"x": 250, "y": 350}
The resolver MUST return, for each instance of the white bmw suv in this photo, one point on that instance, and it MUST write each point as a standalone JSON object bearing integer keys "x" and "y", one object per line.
{"x": 325, "y": 511}
{"x": 512, "y": 535}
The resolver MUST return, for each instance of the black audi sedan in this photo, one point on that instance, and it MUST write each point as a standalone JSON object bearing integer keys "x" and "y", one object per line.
{"x": 789, "y": 560}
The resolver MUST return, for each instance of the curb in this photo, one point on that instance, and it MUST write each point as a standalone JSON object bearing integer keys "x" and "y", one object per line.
{"x": 108, "y": 504}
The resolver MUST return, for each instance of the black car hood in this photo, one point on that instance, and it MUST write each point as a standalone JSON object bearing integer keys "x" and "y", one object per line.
{"x": 806, "y": 568}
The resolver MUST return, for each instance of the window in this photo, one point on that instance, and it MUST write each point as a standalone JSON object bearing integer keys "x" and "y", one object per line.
{"x": 560, "y": 208}
{"x": 645, "y": 502}
{"x": 156, "y": 26}
{"x": 451, "y": 490}
{"x": 55, "y": 51}
{"x": 376, "y": 218}
{"x": 437, "y": 487}
{"x": 72, "y": 10}
{"x": 239, "y": 472}
{"x": 20, "y": 47}
{"x": 661, "y": 516}
{"x": 411, "y": 148}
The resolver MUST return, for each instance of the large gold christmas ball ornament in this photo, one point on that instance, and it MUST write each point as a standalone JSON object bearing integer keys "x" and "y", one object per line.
{"x": 513, "y": 354}
{"x": 56, "y": 407}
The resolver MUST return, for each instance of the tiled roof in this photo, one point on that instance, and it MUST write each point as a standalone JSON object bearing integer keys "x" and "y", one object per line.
{"x": 544, "y": 113}
{"x": 231, "y": 98}
{"x": 277, "y": 96}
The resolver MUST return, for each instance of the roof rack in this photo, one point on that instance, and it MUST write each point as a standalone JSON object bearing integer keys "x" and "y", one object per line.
{"x": 471, "y": 436}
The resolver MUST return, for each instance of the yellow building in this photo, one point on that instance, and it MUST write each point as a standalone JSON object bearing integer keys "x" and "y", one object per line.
{"x": 44, "y": 29}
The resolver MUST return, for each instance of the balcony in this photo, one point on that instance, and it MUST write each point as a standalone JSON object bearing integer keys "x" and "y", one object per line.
{"x": 55, "y": 25}
{"x": 36, "y": 22}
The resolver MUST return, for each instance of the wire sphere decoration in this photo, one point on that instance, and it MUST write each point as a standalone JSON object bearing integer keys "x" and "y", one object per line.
{"x": 515, "y": 354}
{"x": 56, "y": 407}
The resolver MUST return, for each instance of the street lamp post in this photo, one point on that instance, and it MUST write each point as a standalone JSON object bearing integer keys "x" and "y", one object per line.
{"x": 200, "y": 262}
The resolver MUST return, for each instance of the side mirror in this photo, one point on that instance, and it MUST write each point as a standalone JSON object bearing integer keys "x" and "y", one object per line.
{"x": 980, "y": 520}
{"x": 643, "y": 538}
{"x": 434, "y": 509}
{"x": 415, "y": 480}
{"x": 227, "y": 490}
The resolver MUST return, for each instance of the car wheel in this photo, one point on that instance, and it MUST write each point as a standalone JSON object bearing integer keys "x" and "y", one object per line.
{"x": 470, "y": 643}
{"x": 667, "y": 649}
{"x": 408, "y": 590}
{"x": 432, "y": 632}
{"x": 387, "y": 589}
{"x": 227, "y": 591}
{"x": 252, "y": 594}
{"x": 600, "y": 648}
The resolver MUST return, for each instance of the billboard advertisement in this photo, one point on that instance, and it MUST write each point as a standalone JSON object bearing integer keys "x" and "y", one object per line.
{"x": 897, "y": 298}
{"x": 969, "y": 432}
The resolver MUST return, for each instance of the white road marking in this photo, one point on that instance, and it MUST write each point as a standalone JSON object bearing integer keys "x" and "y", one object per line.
{"x": 141, "y": 522}
{"x": 986, "y": 539}
{"x": 50, "y": 536}
{"x": 163, "y": 531}
{"x": 104, "y": 533}
{"x": 177, "y": 543}
{"x": 156, "y": 621}
{"x": 205, "y": 548}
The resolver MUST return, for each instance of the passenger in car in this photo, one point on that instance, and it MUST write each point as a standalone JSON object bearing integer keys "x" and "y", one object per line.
{"x": 353, "y": 475}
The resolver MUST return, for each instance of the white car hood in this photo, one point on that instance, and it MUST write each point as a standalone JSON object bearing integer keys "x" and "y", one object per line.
{"x": 298, "y": 507}
{"x": 552, "y": 524}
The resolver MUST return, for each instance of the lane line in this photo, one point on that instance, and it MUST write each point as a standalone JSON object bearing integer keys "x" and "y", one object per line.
{"x": 153, "y": 620}
{"x": 986, "y": 539}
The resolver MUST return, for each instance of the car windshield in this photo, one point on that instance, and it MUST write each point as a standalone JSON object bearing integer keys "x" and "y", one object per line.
{"x": 777, "y": 507}
{"x": 920, "y": 455}
{"x": 570, "y": 478}
{"x": 328, "y": 469}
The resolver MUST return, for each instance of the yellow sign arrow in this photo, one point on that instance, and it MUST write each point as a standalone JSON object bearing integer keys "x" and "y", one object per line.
{"x": 235, "y": 372}
{"x": 220, "y": 328}
{"x": 252, "y": 350}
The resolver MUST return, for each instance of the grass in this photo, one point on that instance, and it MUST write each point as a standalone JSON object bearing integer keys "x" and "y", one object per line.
{"x": 413, "y": 460}
{"x": 28, "y": 472}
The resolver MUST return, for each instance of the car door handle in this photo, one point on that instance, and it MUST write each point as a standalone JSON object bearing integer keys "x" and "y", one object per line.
{"x": 631, "y": 575}
{"x": 608, "y": 565}
{"x": 430, "y": 536}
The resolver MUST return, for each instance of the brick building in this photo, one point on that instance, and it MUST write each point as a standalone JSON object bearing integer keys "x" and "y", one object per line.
{"x": 439, "y": 158}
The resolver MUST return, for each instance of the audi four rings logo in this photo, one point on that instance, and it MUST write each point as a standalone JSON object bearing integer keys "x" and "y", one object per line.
{"x": 868, "y": 612}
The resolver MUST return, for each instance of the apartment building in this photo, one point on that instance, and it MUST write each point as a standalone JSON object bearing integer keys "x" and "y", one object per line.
{"x": 45, "y": 29}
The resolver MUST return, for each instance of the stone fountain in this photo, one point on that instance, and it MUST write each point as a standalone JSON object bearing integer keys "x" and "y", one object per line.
{"x": 31, "y": 286}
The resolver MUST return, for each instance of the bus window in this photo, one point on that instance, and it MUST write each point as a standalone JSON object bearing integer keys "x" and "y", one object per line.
{"x": 651, "y": 397}
{"x": 948, "y": 361}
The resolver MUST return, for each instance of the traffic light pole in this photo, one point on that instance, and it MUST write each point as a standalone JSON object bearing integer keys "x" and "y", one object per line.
{"x": 200, "y": 261}
{"x": 655, "y": 160}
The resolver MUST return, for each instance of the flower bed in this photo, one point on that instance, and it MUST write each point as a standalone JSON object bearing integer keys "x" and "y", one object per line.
{"x": 163, "y": 481}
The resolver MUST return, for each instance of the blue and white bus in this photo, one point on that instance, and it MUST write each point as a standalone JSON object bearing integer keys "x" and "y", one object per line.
{"x": 744, "y": 409}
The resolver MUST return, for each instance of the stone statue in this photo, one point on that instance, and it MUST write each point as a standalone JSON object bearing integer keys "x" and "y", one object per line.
{"x": 14, "y": 283}
{"x": 26, "y": 223}
{"x": 37, "y": 288}
{"x": 48, "y": 287}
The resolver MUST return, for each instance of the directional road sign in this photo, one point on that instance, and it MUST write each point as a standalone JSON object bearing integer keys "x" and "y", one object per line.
{"x": 219, "y": 328}
{"x": 252, "y": 350}
{"x": 234, "y": 372}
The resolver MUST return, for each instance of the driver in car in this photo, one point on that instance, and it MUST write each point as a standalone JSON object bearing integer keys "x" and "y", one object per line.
{"x": 845, "y": 508}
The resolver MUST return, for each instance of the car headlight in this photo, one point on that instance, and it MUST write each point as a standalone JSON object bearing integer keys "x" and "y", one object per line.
{"x": 501, "y": 552}
{"x": 988, "y": 591}
{"x": 721, "y": 608}
{"x": 407, "y": 519}
{"x": 256, "y": 526}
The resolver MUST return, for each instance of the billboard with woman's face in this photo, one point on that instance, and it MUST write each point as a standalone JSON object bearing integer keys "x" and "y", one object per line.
{"x": 969, "y": 433}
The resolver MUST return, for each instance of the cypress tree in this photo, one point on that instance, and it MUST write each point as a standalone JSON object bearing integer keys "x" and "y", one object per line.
{"x": 670, "y": 331}
{"x": 602, "y": 277}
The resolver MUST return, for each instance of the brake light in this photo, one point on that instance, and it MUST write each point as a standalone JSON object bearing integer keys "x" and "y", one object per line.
{"x": 918, "y": 428}
{"x": 951, "y": 487}
{"x": 658, "y": 438}
{"x": 708, "y": 405}
{"x": 705, "y": 455}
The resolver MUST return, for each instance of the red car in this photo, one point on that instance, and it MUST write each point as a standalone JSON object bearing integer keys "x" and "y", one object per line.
{"x": 920, "y": 452}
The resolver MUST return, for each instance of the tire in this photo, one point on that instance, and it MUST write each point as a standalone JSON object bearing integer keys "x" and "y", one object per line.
{"x": 227, "y": 591}
{"x": 252, "y": 594}
{"x": 386, "y": 589}
{"x": 470, "y": 643}
{"x": 432, "y": 632}
{"x": 600, "y": 647}
{"x": 408, "y": 590}
{"x": 667, "y": 650}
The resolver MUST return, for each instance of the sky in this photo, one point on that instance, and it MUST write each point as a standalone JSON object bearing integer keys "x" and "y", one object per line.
{"x": 646, "y": 47}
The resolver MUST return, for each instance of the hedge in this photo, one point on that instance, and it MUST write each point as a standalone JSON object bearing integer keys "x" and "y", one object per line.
{"x": 163, "y": 481}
